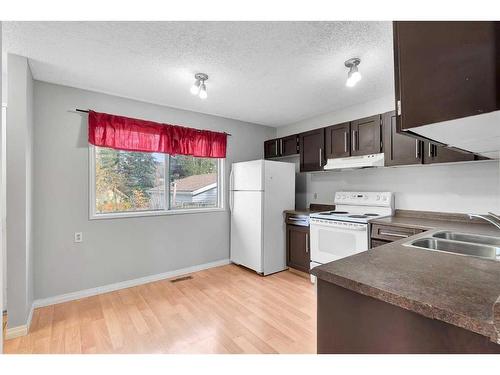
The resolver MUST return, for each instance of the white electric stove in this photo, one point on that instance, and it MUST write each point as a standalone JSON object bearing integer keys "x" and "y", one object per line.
{"x": 346, "y": 231}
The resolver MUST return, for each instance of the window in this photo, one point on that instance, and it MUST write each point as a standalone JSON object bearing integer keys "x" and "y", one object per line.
{"x": 127, "y": 183}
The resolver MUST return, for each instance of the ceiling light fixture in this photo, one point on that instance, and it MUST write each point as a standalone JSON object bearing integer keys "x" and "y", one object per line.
{"x": 354, "y": 76}
{"x": 199, "y": 88}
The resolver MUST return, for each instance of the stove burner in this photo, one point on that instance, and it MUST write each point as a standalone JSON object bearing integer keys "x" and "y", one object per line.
{"x": 334, "y": 213}
{"x": 371, "y": 214}
{"x": 358, "y": 216}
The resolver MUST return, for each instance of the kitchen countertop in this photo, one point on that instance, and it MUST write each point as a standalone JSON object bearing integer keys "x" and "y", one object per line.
{"x": 460, "y": 290}
{"x": 314, "y": 207}
{"x": 304, "y": 211}
{"x": 428, "y": 224}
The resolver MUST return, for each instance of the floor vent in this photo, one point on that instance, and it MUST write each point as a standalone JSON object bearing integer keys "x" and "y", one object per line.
{"x": 181, "y": 279}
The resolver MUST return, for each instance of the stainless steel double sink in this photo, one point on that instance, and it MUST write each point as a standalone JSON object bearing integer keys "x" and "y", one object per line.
{"x": 460, "y": 243}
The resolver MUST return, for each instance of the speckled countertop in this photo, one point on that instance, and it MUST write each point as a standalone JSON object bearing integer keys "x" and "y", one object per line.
{"x": 304, "y": 211}
{"x": 312, "y": 208}
{"x": 460, "y": 290}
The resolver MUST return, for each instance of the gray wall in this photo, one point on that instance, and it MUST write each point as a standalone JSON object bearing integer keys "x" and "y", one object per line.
{"x": 115, "y": 250}
{"x": 19, "y": 191}
{"x": 381, "y": 105}
{"x": 460, "y": 187}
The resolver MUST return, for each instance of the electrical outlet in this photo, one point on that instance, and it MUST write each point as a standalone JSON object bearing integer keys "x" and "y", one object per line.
{"x": 78, "y": 237}
{"x": 315, "y": 195}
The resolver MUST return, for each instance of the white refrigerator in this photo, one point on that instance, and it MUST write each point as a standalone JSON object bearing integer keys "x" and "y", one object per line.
{"x": 260, "y": 190}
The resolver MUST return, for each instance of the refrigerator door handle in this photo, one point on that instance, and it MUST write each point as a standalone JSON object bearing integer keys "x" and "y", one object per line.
{"x": 231, "y": 180}
{"x": 231, "y": 193}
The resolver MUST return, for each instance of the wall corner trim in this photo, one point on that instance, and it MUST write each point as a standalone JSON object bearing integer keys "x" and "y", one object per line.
{"x": 125, "y": 284}
{"x": 18, "y": 331}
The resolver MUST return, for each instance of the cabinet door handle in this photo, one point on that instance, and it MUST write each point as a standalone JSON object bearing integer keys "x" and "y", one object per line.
{"x": 382, "y": 233}
{"x": 417, "y": 151}
{"x": 430, "y": 150}
{"x": 320, "y": 157}
{"x": 307, "y": 243}
{"x": 276, "y": 147}
{"x": 345, "y": 141}
{"x": 281, "y": 146}
{"x": 354, "y": 140}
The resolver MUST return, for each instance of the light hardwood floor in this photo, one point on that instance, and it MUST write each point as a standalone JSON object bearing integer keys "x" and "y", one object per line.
{"x": 225, "y": 309}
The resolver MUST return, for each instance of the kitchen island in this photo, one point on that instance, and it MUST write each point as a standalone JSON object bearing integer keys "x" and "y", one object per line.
{"x": 399, "y": 299}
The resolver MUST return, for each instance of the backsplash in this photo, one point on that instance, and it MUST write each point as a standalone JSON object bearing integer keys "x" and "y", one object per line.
{"x": 460, "y": 187}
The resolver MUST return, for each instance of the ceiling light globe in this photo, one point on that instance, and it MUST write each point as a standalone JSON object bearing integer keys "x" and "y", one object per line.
{"x": 195, "y": 89}
{"x": 350, "y": 82}
{"x": 203, "y": 91}
{"x": 356, "y": 76}
{"x": 353, "y": 77}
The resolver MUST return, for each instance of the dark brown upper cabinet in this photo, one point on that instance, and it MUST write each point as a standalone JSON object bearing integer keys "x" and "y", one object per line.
{"x": 312, "y": 150}
{"x": 434, "y": 153}
{"x": 337, "y": 141}
{"x": 289, "y": 145}
{"x": 399, "y": 149}
{"x": 271, "y": 148}
{"x": 365, "y": 136}
{"x": 445, "y": 70}
{"x": 285, "y": 146}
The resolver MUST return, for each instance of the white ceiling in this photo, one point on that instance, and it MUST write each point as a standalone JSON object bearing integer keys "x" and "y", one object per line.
{"x": 270, "y": 73}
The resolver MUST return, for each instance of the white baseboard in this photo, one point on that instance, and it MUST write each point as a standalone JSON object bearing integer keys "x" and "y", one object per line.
{"x": 12, "y": 333}
{"x": 125, "y": 284}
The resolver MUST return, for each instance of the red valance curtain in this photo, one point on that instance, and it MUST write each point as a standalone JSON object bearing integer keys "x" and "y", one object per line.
{"x": 129, "y": 134}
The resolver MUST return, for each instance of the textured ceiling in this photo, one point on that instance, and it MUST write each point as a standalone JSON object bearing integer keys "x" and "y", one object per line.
{"x": 271, "y": 73}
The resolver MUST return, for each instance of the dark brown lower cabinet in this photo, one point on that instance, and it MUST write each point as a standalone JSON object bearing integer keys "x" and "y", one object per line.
{"x": 297, "y": 247}
{"x": 382, "y": 234}
{"x": 399, "y": 149}
{"x": 352, "y": 323}
{"x": 434, "y": 153}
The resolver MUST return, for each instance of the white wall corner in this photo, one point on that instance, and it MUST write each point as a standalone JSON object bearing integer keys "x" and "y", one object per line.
{"x": 22, "y": 330}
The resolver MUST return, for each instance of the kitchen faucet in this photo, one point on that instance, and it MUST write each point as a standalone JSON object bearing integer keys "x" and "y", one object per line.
{"x": 490, "y": 218}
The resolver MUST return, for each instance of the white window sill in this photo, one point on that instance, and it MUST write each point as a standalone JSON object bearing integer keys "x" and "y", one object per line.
{"x": 123, "y": 215}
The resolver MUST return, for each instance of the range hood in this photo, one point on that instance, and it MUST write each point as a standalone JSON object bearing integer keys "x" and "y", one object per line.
{"x": 479, "y": 134}
{"x": 354, "y": 162}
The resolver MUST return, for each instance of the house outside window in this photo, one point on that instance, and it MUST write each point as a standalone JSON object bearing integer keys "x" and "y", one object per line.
{"x": 124, "y": 183}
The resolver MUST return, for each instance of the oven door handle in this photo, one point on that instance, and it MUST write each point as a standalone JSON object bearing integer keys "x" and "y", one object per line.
{"x": 343, "y": 228}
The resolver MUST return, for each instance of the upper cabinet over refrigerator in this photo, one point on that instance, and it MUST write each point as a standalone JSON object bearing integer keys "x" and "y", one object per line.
{"x": 448, "y": 82}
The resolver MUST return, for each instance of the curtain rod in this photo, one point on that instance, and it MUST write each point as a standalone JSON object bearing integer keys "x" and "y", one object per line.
{"x": 87, "y": 111}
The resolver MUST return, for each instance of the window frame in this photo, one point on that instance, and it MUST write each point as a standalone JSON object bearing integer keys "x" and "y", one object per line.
{"x": 94, "y": 215}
